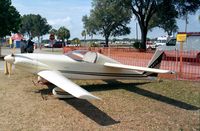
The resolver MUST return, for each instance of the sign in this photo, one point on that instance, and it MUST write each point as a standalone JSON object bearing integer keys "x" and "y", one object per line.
{"x": 181, "y": 37}
{"x": 51, "y": 37}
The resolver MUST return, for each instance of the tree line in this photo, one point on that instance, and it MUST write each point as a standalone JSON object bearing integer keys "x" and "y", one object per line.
{"x": 111, "y": 17}
{"x": 36, "y": 26}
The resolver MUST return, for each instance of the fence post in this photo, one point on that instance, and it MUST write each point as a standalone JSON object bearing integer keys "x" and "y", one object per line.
{"x": 176, "y": 68}
{"x": 181, "y": 58}
{"x": 181, "y": 37}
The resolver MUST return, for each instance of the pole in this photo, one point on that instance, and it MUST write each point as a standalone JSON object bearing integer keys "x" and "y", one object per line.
{"x": 136, "y": 31}
{"x": 181, "y": 38}
{"x": 181, "y": 58}
{"x": 52, "y": 45}
{"x": 186, "y": 22}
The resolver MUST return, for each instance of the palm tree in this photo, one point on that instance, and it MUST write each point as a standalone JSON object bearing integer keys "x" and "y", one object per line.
{"x": 84, "y": 35}
{"x": 63, "y": 33}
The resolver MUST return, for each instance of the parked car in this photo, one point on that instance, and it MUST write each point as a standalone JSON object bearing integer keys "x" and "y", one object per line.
{"x": 58, "y": 44}
{"x": 150, "y": 45}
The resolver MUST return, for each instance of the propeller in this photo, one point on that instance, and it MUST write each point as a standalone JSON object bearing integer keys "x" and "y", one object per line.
{"x": 9, "y": 60}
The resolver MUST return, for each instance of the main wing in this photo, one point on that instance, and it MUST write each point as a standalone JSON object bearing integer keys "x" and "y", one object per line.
{"x": 65, "y": 84}
{"x": 138, "y": 68}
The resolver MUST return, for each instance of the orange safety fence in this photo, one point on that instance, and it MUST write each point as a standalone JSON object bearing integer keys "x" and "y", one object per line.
{"x": 186, "y": 69}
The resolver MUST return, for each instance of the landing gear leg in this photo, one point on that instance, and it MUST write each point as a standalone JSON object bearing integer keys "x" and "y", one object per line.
{"x": 61, "y": 94}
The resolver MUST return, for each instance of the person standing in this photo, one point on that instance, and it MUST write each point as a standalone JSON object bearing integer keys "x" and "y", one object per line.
{"x": 23, "y": 46}
{"x": 30, "y": 46}
{"x": 10, "y": 42}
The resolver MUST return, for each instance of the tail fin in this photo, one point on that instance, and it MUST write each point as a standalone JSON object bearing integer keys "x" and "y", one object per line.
{"x": 155, "y": 62}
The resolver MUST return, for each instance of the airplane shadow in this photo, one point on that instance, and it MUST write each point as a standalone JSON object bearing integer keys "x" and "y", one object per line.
{"x": 46, "y": 91}
{"x": 85, "y": 107}
{"x": 92, "y": 112}
{"x": 132, "y": 87}
{"x": 100, "y": 117}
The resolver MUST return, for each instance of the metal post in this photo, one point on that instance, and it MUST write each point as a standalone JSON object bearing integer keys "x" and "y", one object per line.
{"x": 176, "y": 51}
{"x": 136, "y": 32}
{"x": 181, "y": 58}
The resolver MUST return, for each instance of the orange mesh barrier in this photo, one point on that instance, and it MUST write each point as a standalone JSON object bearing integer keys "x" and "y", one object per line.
{"x": 188, "y": 69}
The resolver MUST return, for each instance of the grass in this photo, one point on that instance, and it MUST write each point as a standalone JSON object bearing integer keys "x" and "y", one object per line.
{"x": 188, "y": 92}
{"x": 125, "y": 105}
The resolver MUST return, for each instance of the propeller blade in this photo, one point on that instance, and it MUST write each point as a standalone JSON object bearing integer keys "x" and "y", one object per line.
{"x": 6, "y": 68}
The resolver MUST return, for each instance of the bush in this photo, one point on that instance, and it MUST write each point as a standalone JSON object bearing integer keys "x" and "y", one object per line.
{"x": 136, "y": 45}
{"x": 94, "y": 45}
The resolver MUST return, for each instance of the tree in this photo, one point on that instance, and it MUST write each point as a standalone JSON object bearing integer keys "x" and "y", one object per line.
{"x": 144, "y": 10}
{"x": 76, "y": 41}
{"x": 34, "y": 25}
{"x": 89, "y": 26}
{"x": 53, "y": 31}
{"x": 63, "y": 33}
{"x": 165, "y": 18}
{"x": 27, "y": 24}
{"x": 169, "y": 26}
{"x": 40, "y": 27}
{"x": 84, "y": 34}
{"x": 9, "y": 18}
{"x": 108, "y": 18}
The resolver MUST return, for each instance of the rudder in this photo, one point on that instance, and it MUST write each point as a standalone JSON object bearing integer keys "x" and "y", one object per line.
{"x": 155, "y": 62}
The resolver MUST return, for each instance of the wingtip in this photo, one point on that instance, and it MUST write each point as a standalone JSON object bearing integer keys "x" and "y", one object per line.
{"x": 173, "y": 72}
{"x": 89, "y": 97}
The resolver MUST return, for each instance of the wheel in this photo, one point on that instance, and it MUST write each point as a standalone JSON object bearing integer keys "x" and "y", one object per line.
{"x": 61, "y": 94}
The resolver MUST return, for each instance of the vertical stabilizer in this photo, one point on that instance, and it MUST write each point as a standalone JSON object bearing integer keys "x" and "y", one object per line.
{"x": 155, "y": 62}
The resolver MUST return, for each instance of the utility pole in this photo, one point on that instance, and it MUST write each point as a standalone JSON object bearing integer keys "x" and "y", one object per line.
{"x": 186, "y": 22}
{"x": 136, "y": 31}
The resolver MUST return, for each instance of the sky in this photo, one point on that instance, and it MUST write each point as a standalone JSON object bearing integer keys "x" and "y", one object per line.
{"x": 69, "y": 13}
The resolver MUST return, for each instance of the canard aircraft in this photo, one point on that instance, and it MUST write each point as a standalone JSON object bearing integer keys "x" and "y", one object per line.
{"x": 59, "y": 69}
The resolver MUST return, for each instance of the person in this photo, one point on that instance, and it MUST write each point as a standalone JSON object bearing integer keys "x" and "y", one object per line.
{"x": 30, "y": 46}
{"x": 23, "y": 46}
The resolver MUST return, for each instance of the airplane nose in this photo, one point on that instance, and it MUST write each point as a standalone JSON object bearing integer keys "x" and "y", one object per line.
{"x": 9, "y": 58}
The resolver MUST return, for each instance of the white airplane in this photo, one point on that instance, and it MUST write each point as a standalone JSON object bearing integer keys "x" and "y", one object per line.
{"x": 58, "y": 69}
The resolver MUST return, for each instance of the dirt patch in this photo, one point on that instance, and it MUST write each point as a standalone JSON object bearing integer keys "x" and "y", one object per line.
{"x": 125, "y": 105}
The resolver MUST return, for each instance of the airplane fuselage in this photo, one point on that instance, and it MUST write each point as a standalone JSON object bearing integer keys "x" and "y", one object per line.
{"x": 71, "y": 68}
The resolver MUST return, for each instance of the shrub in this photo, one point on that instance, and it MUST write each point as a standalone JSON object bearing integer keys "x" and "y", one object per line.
{"x": 136, "y": 45}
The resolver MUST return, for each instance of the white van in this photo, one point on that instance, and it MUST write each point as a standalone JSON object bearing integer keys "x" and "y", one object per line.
{"x": 162, "y": 40}
{"x": 191, "y": 45}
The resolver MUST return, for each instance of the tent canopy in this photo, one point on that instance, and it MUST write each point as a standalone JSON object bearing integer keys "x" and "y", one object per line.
{"x": 17, "y": 37}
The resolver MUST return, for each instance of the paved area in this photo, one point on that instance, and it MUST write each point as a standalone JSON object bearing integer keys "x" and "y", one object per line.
{"x": 1, "y": 65}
